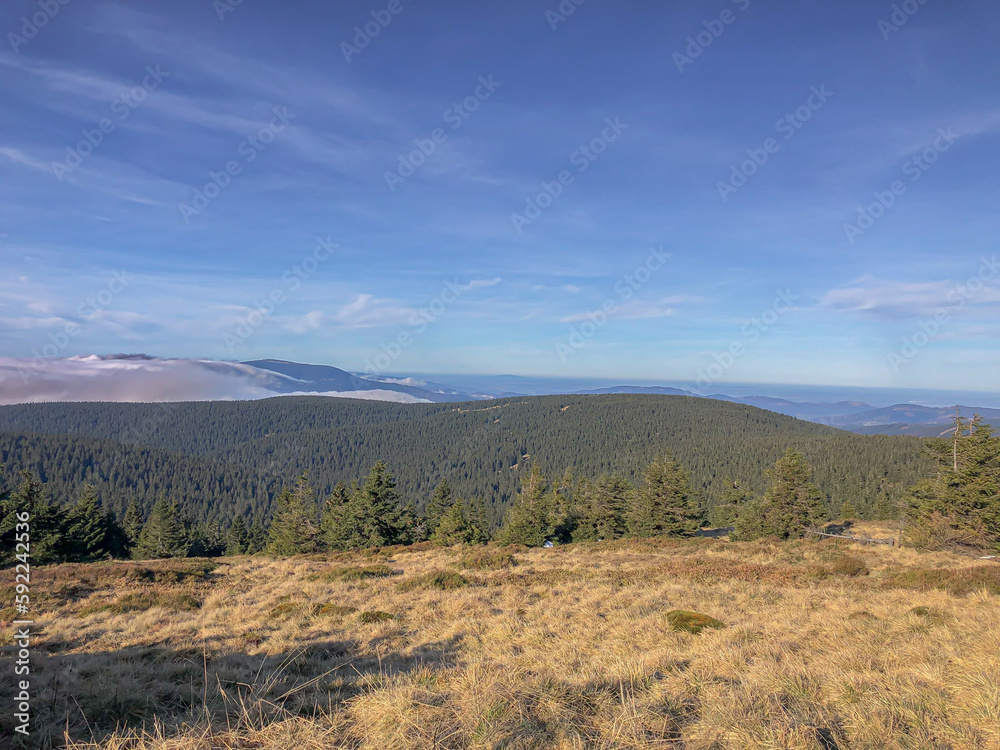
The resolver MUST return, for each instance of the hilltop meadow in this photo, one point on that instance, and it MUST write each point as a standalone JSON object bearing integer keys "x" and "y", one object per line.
{"x": 687, "y": 643}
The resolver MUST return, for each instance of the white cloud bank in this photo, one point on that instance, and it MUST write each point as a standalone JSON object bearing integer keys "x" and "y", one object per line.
{"x": 138, "y": 378}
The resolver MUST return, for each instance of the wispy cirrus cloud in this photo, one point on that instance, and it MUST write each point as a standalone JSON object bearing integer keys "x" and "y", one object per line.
{"x": 900, "y": 300}
{"x": 639, "y": 309}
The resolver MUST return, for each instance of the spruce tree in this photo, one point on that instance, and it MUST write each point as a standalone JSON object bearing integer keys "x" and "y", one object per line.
{"x": 459, "y": 525}
{"x": 726, "y": 510}
{"x": 440, "y": 502}
{"x": 529, "y": 520}
{"x": 256, "y": 538}
{"x": 368, "y": 516}
{"x": 665, "y": 504}
{"x": 8, "y": 524}
{"x": 47, "y": 522}
{"x": 337, "y": 517}
{"x": 87, "y": 535}
{"x": 887, "y": 505}
{"x": 132, "y": 523}
{"x": 960, "y": 505}
{"x": 164, "y": 534}
{"x": 207, "y": 539}
{"x": 238, "y": 537}
{"x": 791, "y": 504}
{"x": 294, "y": 529}
{"x": 478, "y": 517}
{"x": 601, "y": 507}
{"x": 848, "y": 512}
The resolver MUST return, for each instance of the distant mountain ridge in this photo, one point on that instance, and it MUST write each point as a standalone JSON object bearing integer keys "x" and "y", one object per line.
{"x": 140, "y": 378}
{"x": 328, "y": 379}
{"x": 855, "y": 416}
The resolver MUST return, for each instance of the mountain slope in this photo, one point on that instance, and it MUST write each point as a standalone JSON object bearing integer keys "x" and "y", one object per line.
{"x": 482, "y": 448}
{"x": 327, "y": 379}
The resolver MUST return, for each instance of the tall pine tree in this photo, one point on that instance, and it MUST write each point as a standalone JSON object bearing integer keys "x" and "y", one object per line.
{"x": 601, "y": 508}
{"x": 960, "y": 505}
{"x": 256, "y": 538}
{"x": 441, "y": 500}
{"x": 368, "y": 516}
{"x": 461, "y": 524}
{"x": 164, "y": 534}
{"x": 238, "y": 537}
{"x": 791, "y": 504}
{"x": 294, "y": 529}
{"x": 734, "y": 499}
{"x": 665, "y": 504}
{"x": 132, "y": 523}
{"x": 529, "y": 520}
{"x": 88, "y": 529}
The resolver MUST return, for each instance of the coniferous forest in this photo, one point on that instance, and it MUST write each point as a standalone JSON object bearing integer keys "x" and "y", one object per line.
{"x": 529, "y": 471}
{"x": 220, "y": 460}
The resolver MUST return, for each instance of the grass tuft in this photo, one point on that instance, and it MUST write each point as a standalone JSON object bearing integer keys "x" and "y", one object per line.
{"x": 329, "y": 609}
{"x": 849, "y": 565}
{"x": 692, "y": 622}
{"x": 487, "y": 558}
{"x": 375, "y": 616}
{"x": 142, "y": 601}
{"x": 957, "y": 581}
{"x": 435, "y": 579}
{"x": 356, "y": 573}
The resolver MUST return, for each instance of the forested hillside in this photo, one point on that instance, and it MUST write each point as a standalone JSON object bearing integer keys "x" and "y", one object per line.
{"x": 218, "y": 458}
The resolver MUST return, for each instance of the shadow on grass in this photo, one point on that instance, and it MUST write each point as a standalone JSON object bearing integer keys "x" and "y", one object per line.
{"x": 90, "y": 695}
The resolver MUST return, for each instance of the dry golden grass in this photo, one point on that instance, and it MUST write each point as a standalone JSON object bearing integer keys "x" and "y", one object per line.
{"x": 568, "y": 648}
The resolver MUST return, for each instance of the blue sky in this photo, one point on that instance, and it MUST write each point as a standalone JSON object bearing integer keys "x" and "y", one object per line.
{"x": 645, "y": 264}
